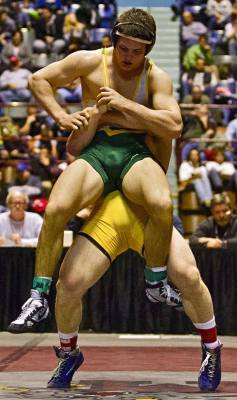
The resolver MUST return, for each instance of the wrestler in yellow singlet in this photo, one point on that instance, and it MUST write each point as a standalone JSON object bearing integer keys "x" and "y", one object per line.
{"x": 116, "y": 225}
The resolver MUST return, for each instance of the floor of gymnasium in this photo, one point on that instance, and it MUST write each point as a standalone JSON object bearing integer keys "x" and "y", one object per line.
{"x": 145, "y": 367}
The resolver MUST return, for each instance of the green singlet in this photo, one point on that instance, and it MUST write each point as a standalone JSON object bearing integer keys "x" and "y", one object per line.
{"x": 112, "y": 152}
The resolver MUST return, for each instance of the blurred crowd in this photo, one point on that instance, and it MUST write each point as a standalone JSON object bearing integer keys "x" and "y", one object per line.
{"x": 208, "y": 147}
{"x": 32, "y": 35}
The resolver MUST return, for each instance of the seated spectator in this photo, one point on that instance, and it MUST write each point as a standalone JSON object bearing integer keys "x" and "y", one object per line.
{"x": 13, "y": 147}
{"x": 179, "y": 6}
{"x": 195, "y": 118}
{"x": 190, "y": 29}
{"x": 230, "y": 34}
{"x": 206, "y": 80}
{"x": 191, "y": 172}
{"x": 222, "y": 173}
{"x": 14, "y": 83}
{"x": 19, "y": 227}
{"x": 217, "y": 142}
{"x": 219, "y": 12}
{"x": 25, "y": 181}
{"x": 220, "y": 230}
{"x": 75, "y": 33}
{"x": 200, "y": 50}
{"x": 49, "y": 33}
{"x": 71, "y": 93}
{"x": 23, "y": 13}
{"x": 16, "y": 47}
{"x": 31, "y": 125}
{"x": 7, "y": 27}
{"x": 231, "y": 135}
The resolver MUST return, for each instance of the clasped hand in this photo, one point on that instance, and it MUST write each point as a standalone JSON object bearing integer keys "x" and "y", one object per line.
{"x": 76, "y": 121}
{"x": 110, "y": 99}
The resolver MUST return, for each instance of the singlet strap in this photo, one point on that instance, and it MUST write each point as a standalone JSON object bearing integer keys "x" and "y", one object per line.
{"x": 106, "y": 78}
{"x": 148, "y": 77}
{"x": 142, "y": 90}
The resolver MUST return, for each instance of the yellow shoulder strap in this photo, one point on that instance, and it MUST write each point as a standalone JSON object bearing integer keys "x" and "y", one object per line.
{"x": 105, "y": 68}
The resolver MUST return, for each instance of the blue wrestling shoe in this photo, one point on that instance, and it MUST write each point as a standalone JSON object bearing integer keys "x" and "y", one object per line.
{"x": 67, "y": 366}
{"x": 210, "y": 371}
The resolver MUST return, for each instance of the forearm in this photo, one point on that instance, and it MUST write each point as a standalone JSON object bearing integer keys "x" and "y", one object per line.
{"x": 117, "y": 118}
{"x": 230, "y": 244}
{"x": 80, "y": 139}
{"x": 144, "y": 120}
{"x": 44, "y": 93}
{"x": 162, "y": 123}
{"x": 29, "y": 242}
{"x": 199, "y": 239}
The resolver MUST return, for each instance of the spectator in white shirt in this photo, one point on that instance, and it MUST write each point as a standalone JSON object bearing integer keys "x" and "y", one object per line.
{"x": 14, "y": 83}
{"x": 219, "y": 11}
{"x": 222, "y": 173}
{"x": 231, "y": 135}
{"x": 230, "y": 34}
{"x": 191, "y": 30}
{"x": 19, "y": 227}
{"x": 191, "y": 172}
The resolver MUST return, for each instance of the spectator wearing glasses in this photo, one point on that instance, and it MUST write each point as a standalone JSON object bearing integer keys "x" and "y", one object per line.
{"x": 19, "y": 227}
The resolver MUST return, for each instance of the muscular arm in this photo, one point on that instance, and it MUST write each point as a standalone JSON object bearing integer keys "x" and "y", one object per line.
{"x": 44, "y": 83}
{"x": 162, "y": 120}
{"x": 79, "y": 139}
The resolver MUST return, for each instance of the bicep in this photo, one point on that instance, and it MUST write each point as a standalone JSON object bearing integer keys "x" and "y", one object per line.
{"x": 65, "y": 71}
{"x": 162, "y": 93}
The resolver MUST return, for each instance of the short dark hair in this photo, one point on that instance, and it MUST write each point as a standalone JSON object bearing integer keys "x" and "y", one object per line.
{"x": 220, "y": 198}
{"x": 136, "y": 23}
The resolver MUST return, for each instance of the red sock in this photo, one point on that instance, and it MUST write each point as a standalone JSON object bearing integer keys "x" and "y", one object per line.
{"x": 68, "y": 341}
{"x": 208, "y": 335}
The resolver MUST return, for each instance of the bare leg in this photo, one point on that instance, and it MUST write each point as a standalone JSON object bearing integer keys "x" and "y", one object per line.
{"x": 183, "y": 272}
{"x": 146, "y": 184}
{"x": 82, "y": 267}
{"x": 78, "y": 186}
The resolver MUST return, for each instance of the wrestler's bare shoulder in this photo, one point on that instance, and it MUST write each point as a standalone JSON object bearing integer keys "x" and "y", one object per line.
{"x": 86, "y": 60}
{"x": 75, "y": 65}
{"x": 159, "y": 73}
{"x": 159, "y": 78}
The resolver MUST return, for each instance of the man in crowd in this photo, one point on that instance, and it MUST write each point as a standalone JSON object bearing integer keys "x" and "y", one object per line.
{"x": 14, "y": 82}
{"x": 220, "y": 230}
{"x": 19, "y": 227}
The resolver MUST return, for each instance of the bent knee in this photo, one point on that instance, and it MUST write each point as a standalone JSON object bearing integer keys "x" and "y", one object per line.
{"x": 188, "y": 280}
{"x": 70, "y": 286}
{"x": 54, "y": 209}
{"x": 159, "y": 202}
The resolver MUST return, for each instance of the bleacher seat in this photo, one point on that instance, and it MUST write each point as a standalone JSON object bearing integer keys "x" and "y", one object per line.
{"x": 191, "y": 222}
{"x": 191, "y": 213}
{"x": 222, "y": 59}
{"x": 16, "y": 110}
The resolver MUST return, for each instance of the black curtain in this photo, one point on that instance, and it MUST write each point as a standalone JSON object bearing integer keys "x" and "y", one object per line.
{"x": 117, "y": 302}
